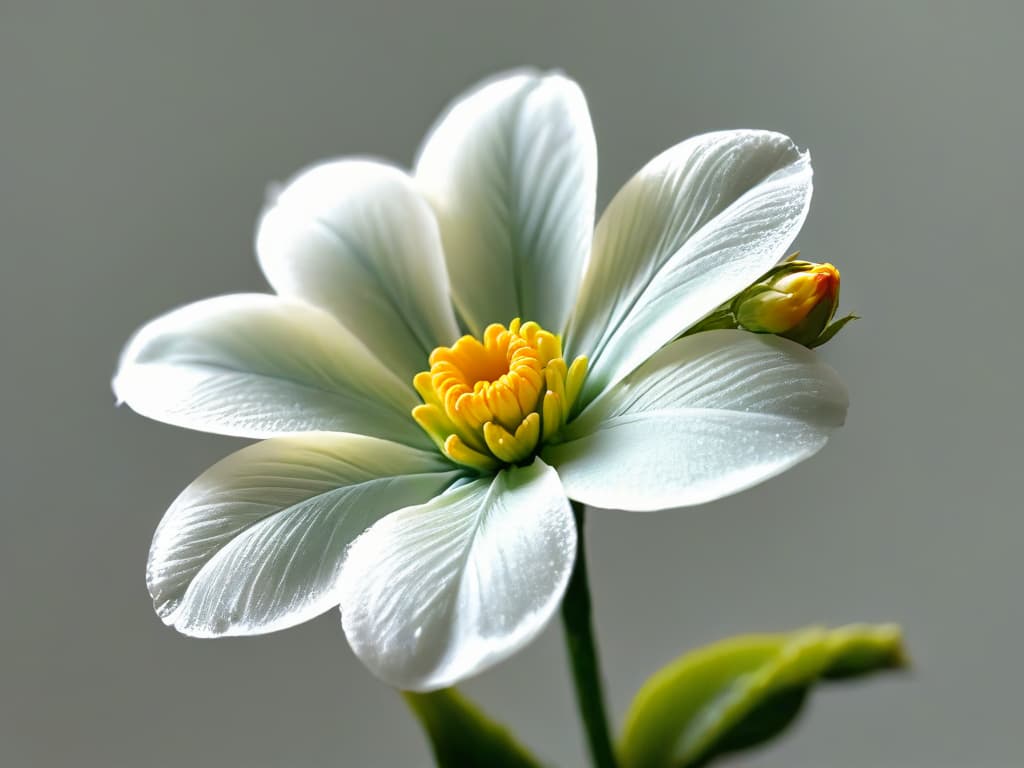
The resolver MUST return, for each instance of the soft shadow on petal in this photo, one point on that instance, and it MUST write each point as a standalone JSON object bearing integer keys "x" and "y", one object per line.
{"x": 511, "y": 169}
{"x": 253, "y": 365}
{"x": 255, "y": 544}
{"x": 436, "y": 593}
{"x": 355, "y": 238}
{"x": 691, "y": 229}
{"x": 707, "y": 416}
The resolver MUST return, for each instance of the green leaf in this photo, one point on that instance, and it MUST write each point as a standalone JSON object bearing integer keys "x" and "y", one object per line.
{"x": 744, "y": 691}
{"x": 832, "y": 330}
{"x": 462, "y": 736}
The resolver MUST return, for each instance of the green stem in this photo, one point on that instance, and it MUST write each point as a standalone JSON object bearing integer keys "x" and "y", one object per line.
{"x": 579, "y": 639}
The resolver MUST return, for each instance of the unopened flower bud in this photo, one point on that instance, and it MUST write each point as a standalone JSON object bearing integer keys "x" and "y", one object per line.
{"x": 797, "y": 299}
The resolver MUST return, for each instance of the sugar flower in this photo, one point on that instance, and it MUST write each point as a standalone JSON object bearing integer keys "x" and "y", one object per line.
{"x": 453, "y": 354}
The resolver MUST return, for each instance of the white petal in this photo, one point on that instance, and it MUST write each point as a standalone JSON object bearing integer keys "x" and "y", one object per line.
{"x": 354, "y": 237}
{"x": 254, "y": 365}
{"x": 694, "y": 227}
{"x": 433, "y": 594}
{"x": 255, "y": 544}
{"x": 511, "y": 170}
{"x": 706, "y": 417}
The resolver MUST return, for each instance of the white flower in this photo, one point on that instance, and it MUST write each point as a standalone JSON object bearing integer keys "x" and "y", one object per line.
{"x": 452, "y": 565}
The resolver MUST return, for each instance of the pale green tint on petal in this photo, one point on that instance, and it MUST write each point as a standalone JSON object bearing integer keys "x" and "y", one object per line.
{"x": 255, "y": 544}
{"x": 707, "y": 416}
{"x": 511, "y": 170}
{"x": 435, "y": 593}
{"x": 691, "y": 229}
{"x": 253, "y": 365}
{"x": 355, "y": 238}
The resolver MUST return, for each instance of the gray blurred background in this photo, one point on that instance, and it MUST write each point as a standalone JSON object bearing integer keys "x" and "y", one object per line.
{"x": 136, "y": 141}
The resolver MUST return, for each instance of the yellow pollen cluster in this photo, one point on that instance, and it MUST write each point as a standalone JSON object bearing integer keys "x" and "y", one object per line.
{"x": 489, "y": 403}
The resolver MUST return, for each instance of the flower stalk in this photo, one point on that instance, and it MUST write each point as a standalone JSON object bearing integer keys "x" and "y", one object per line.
{"x": 582, "y": 648}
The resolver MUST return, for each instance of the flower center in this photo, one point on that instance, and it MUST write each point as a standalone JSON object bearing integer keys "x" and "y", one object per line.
{"x": 491, "y": 402}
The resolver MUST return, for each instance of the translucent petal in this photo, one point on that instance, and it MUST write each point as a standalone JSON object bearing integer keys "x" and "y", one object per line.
{"x": 355, "y": 238}
{"x": 511, "y": 169}
{"x": 255, "y": 544}
{"x": 707, "y": 416}
{"x": 691, "y": 229}
{"x": 253, "y": 365}
{"x": 435, "y": 593}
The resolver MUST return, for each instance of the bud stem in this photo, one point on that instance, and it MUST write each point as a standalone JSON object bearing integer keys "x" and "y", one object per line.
{"x": 720, "y": 318}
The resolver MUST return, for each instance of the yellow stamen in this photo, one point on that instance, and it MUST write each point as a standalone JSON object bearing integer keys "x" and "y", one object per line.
{"x": 461, "y": 453}
{"x": 574, "y": 383}
{"x": 492, "y": 401}
{"x": 553, "y": 411}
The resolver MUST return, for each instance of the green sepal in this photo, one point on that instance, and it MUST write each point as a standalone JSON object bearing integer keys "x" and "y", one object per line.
{"x": 461, "y": 736}
{"x": 832, "y": 330}
{"x": 813, "y": 326}
{"x": 744, "y": 691}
